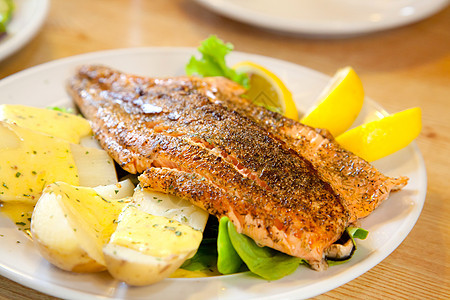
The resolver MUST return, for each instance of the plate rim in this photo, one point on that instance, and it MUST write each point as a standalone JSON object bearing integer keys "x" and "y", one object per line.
{"x": 318, "y": 28}
{"x": 18, "y": 40}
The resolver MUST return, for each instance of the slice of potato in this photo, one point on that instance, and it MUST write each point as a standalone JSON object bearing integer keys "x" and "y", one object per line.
{"x": 170, "y": 206}
{"x": 55, "y": 239}
{"x": 70, "y": 224}
{"x": 145, "y": 248}
{"x": 30, "y": 160}
{"x": 135, "y": 268}
{"x": 95, "y": 167}
{"x": 59, "y": 124}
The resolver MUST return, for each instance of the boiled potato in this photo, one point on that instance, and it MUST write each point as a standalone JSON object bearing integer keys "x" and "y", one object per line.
{"x": 70, "y": 224}
{"x": 55, "y": 239}
{"x": 145, "y": 248}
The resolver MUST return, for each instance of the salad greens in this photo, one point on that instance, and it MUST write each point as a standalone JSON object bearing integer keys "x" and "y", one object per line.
{"x": 61, "y": 109}
{"x": 228, "y": 251}
{"x": 228, "y": 260}
{"x": 206, "y": 256}
{"x": 357, "y": 233}
{"x": 263, "y": 261}
{"x": 212, "y": 62}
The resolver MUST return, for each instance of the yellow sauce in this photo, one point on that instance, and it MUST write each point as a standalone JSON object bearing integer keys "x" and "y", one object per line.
{"x": 29, "y": 161}
{"x": 19, "y": 213}
{"x": 87, "y": 210}
{"x": 182, "y": 273}
{"x": 154, "y": 235}
{"x": 55, "y": 123}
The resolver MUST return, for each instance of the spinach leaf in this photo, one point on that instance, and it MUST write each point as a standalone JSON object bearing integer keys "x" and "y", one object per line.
{"x": 263, "y": 261}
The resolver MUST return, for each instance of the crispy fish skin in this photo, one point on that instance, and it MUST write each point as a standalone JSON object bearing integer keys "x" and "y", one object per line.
{"x": 359, "y": 184}
{"x": 188, "y": 144}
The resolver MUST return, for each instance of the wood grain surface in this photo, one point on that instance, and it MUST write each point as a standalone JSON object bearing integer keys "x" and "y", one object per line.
{"x": 400, "y": 68}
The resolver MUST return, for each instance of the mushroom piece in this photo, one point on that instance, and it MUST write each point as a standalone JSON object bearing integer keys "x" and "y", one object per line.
{"x": 340, "y": 251}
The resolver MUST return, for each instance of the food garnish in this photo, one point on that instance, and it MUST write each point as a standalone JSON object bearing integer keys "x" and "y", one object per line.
{"x": 380, "y": 138}
{"x": 339, "y": 104}
{"x": 228, "y": 260}
{"x": 267, "y": 90}
{"x": 212, "y": 62}
{"x": 263, "y": 261}
{"x": 262, "y": 86}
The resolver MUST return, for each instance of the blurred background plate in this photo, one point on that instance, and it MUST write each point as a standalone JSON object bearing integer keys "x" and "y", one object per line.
{"x": 27, "y": 19}
{"x": 326, "y": 18}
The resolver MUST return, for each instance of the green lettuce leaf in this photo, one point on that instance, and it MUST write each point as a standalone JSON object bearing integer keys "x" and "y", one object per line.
{"x": 357, "y": 233}
{"x": 61, "y": 109}
{"x": 263, "y": 261}
{"x": 228, "y": 260}
{"x": 212, "y": 62}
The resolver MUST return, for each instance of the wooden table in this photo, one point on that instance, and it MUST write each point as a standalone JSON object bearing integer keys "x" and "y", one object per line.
{"x": 400, "y": 68}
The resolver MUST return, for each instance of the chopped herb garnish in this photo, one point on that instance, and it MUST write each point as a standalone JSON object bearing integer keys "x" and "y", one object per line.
{"x": 61, "y": 109}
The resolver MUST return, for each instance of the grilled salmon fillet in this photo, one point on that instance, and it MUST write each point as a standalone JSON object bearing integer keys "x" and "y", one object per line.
{"x": 359, "y": 184}
{"x": 194, "y": 138}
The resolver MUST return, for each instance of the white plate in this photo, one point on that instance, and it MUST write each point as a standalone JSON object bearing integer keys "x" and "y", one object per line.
{"x": 45, "y": 85}
{"x": 326, "y": 17}
{"x": 28, "y": 17}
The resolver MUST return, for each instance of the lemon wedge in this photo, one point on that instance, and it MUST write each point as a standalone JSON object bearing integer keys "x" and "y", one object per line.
{"x": 339, "y": 103}
{"x": 377, "y": 139}
{"x": 267, "y": 90}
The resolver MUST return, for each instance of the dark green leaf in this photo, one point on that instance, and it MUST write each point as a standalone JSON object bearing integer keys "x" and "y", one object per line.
{"x": 263, "y": 261}
{"x": 204, "y": 259}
